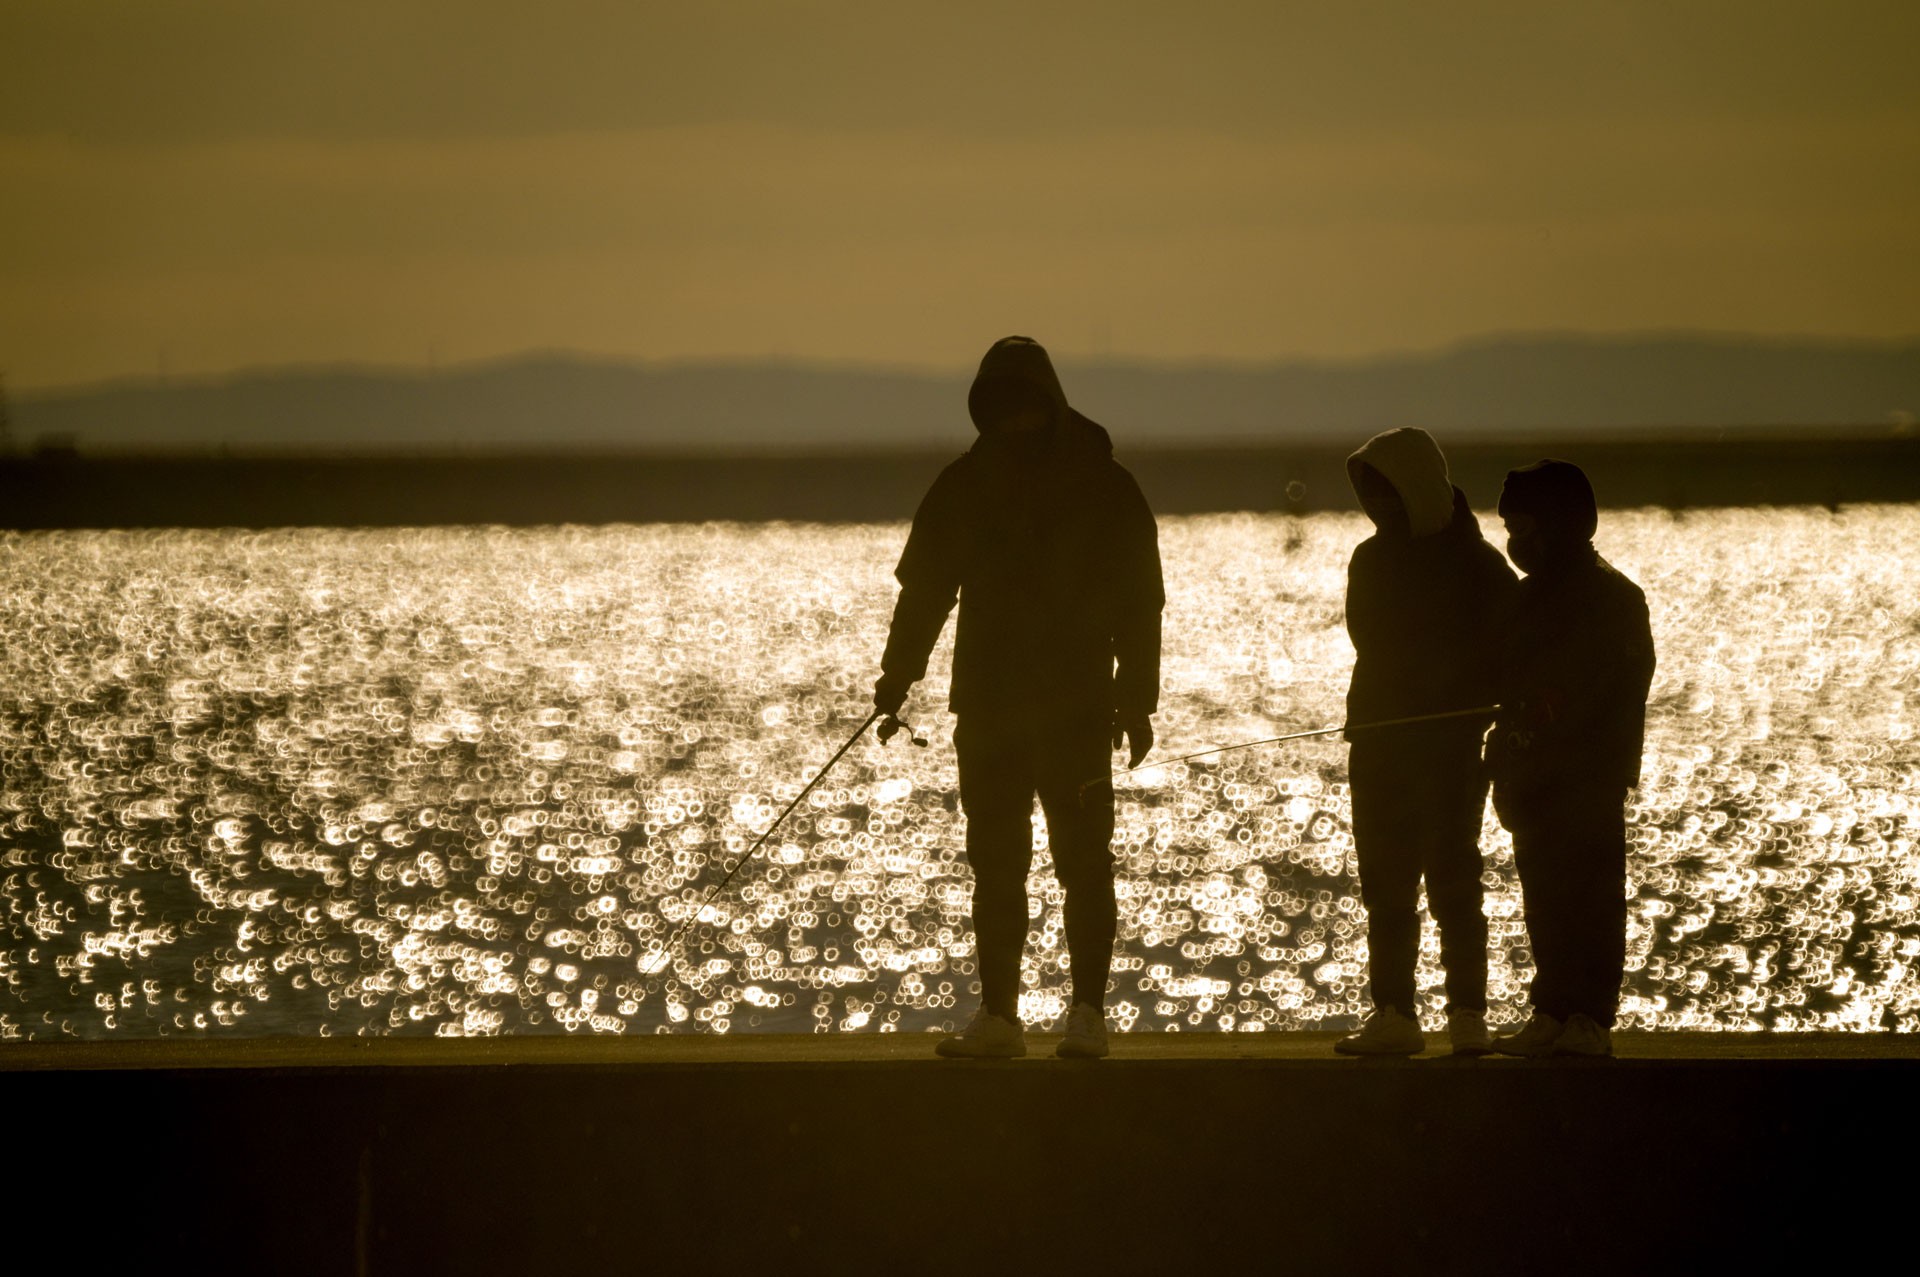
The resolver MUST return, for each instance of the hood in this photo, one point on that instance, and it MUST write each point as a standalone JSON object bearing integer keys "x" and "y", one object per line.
{"x": 1015, "y": 367}
{"x": 1411, "y": 461}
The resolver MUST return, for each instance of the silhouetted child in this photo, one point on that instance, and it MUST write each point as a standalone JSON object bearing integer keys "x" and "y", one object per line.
{"x": 1425, "y": 599}
{"x": 1577, "y": 662}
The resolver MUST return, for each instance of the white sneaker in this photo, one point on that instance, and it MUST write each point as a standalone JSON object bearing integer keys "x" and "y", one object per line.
{"x": 1386, "y": 1032}
{"x": 1086, "y": 1034}
{"x": 1467, "y": 1031}
{"x": 1536, "y": 1039}
{"x": 1584, "y": 1035}
{"x": 986, "y": 1037}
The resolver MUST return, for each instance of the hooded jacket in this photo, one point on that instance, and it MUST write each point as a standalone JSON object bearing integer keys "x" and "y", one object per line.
{"x": 1054, "y": 557}
{"x": 1426, "y": 602}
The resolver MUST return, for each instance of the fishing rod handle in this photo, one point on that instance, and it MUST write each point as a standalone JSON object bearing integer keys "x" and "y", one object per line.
{"x": 892, "y": 724}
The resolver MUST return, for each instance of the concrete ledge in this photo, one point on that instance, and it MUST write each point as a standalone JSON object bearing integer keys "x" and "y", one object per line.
{"x": 867, "y": 1050}
{"x": 863, "y": 1155}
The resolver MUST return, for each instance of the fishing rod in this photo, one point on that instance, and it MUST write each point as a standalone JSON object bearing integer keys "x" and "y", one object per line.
{"x": 893, "y": 724}
{"x": 1275, "y": 740}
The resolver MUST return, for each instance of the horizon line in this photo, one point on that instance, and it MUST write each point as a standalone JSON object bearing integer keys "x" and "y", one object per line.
{"x": 435, "y": 370}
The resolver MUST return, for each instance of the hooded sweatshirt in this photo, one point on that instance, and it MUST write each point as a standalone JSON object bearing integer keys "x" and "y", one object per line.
{"x": 1054, "y": 557}
{"x": 1427, "y": 601}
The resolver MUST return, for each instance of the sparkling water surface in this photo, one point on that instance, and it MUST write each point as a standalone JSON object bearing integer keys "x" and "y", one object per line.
{"x": 469, "y": 781}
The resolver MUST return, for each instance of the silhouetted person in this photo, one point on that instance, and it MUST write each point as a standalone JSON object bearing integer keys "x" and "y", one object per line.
{"x": 1577, "y": 662}
{"x": 1426, "y": 596}
{"x": 1054, "y": 557}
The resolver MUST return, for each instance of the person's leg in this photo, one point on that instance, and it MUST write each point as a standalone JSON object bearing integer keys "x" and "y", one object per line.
{"x": 1595, "y": 850}
{"x": 1080, "y": 834}
{"x": 1542, "y": 891}
{"x": 1386, "y": 838}
{"x": 996, "y": 793}
{"x": 1452, "y": 867}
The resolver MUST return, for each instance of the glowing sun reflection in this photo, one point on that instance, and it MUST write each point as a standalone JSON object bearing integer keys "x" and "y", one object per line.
{"x": 469, "y": 781}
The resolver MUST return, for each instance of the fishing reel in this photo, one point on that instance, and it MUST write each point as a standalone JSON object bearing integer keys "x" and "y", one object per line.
{"x": 891, "y": 724}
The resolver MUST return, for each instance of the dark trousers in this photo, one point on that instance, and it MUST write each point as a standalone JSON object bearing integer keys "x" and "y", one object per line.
{"x": 1570, "y": 846}
{"x": 1002, "y": 767}
{"x": 1418, "y": 803}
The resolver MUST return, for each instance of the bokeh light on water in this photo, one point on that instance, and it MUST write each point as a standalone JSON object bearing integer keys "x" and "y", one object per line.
{"x": 468, "y": 781}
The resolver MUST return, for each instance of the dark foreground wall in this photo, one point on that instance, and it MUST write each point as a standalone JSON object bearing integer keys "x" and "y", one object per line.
{"x": 1126, "y": 1166}
{"x": 53, "y": 491}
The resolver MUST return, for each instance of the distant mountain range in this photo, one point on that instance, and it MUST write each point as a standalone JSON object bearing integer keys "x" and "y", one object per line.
{"x": 1497, "y": 388}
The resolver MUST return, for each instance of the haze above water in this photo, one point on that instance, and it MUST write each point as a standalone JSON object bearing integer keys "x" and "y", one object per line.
{"x": 1543, "y": 387}
{"x": 467, "y": 781}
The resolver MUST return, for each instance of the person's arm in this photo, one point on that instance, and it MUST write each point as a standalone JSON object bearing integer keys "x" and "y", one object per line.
{"x": 1372, "y": 616}
{"x": 1499, "y": 599}
{"x": 1636, "y": 682}
{"x": 1136, "y": 637}
{"x": 929, "y": 576}
{"x": 1594, "y": 711}
{"x": 1142, "y": 596}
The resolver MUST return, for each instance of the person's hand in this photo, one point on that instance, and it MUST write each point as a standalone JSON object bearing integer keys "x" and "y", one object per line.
{"x": 889, "y": 695}
{"x": 1543, "y": 707}
{"x": 1138, "y": 734}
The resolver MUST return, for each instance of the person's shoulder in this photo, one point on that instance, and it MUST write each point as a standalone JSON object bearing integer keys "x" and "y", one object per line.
{"x": 1095, "y": 452}
{"x": 1493, "y": 565}
{"x": 1117, "y": 483}
{"x": 955, "y": 481}
{"x": 1617, "y": 584}
{"x": 959, "y": 468}
{"x": 1483, "y": 552}
{"x": 1615, "y": 600}
{"x": 1109, "y": 465}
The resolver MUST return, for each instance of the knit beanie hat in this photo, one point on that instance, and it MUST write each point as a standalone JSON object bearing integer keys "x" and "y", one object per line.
{"x": 1557, "y": 494}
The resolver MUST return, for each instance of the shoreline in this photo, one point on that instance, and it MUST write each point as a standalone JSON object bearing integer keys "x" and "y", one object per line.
{"x": 54, "y": 490}
{"x": 913, "y": 1051}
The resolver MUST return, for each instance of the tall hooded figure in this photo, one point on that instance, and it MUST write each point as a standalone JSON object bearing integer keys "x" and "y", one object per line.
{"x": 1051, "y": 550}
{"x": 1426, "y": 601}
{"x": 1577, "y": 663}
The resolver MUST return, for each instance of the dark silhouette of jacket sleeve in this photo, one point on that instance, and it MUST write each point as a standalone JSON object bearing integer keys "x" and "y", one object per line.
{"x": 1372, "y": 616}
{"x": 1140, "y": 598}
{"x": 1595, "y": 700}
{"x": 1613, "y": 713}
{"x": 929, "y": 576}
{"x": 1500, "y": 587}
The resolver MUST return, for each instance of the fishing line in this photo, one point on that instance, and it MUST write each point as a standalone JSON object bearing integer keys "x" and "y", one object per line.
{"x": 1275, "y": 740}
{"x": 693, "y": 918}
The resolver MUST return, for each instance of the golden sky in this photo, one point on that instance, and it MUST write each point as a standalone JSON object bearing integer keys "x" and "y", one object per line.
{"x": 206, "y": 186}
